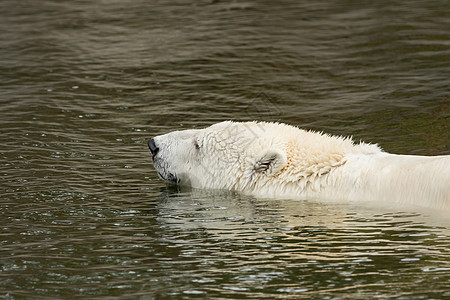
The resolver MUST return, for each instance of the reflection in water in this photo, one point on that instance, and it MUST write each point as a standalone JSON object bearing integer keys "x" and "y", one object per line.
{"x": 219, "y": 244}
{"x": 299, "y": 247}
{"x": 84, "y": 84}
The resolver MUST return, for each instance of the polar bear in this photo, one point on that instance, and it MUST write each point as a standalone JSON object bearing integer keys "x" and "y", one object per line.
{"x": 283, "y": 161}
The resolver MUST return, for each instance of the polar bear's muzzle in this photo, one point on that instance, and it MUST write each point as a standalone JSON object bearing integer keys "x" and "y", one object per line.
{"x": 153, "y": 148}
{"x": 160, "y": 164}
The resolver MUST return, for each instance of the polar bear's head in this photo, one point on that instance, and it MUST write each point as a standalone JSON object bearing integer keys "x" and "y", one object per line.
{"x": 255, "y": 157}
{"x": 226, "y": 155}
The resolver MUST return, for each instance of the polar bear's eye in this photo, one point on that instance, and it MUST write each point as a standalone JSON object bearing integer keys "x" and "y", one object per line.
{"x": 197, "y": 146}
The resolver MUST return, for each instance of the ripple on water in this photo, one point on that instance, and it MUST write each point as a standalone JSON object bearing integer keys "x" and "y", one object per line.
{"x": 84, "y": 84}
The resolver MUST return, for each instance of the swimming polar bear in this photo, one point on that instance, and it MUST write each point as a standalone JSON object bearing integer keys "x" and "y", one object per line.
{"x": 282, "y": 161}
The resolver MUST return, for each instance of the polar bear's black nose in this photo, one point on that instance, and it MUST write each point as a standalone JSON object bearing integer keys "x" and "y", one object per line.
{"x": 152, "y": 146}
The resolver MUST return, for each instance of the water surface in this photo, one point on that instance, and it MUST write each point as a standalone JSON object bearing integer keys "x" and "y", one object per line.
{"x": 84, "y": 84}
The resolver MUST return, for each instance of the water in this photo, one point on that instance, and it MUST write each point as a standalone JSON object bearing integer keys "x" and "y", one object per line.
{"x": 84, "y": 84}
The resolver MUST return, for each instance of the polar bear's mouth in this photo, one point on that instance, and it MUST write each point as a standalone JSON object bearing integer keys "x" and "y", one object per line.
{"x": 172, "y": 178}
{"x": 167, "y": 176}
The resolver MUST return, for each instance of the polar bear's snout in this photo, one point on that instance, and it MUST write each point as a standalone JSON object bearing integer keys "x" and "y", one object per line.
{"x": 161, "y": 163}
{"x": 153, "y": 148}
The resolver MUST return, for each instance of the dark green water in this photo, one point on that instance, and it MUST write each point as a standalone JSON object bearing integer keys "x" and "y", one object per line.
{"x": 84, "y": 84}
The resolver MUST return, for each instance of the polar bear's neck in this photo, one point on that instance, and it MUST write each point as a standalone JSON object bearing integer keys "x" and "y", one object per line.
{"x": 313, "y": 155}
{"x": 310, "y": 157}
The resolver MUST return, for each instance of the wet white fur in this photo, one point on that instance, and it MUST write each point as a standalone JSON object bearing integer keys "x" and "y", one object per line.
{"x": 282, "y": 161}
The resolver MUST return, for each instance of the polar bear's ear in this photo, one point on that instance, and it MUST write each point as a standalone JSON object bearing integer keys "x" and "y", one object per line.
{"x": 270, "y": 161}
